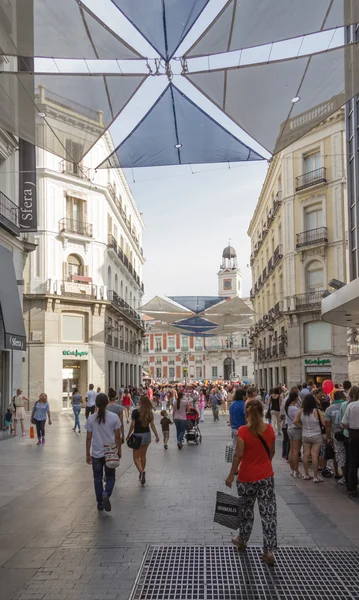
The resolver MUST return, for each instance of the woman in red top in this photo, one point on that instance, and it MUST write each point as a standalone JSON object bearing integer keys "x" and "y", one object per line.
{"x": 126, "y": 403}
{"x": 253, "y": 461}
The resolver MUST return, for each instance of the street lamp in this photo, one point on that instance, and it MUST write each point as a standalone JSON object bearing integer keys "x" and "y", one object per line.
{"x": 185, "y": 356}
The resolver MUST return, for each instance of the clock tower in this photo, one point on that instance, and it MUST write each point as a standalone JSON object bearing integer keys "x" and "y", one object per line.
{"x": 229, "y": 276}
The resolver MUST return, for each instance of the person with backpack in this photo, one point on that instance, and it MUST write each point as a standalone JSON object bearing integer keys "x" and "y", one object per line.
{"x": 103, "y": 431}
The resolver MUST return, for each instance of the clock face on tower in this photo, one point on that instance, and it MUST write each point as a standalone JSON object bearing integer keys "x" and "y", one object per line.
{"x": 227, "y": 284}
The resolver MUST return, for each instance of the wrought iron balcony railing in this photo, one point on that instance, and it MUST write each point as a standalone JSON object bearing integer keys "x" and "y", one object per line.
{"x": 311, "y": 178}
{"x": 9, "y": 214}
{"x": 309, "y": 300}
{"x": 76, "y": 227}
{"x": 312, "y": 237}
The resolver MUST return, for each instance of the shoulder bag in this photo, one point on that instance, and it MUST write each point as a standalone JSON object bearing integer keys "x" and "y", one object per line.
{"x": 134, "y": 442}
{"x": 322, "y": 428}
{"x": 265, "y": 445}
{"x": 112, "y": 460}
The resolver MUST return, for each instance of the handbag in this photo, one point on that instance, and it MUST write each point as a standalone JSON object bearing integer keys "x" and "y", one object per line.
{"x": 339, "y": 436}
{"x": 112, "y": 460}
{"x": 32, "y": 433}
{"x": 227, "y": 511}
{"x": 134, "y": 442}
{"x": 33, "y": 420}
{"x": 229, "y": 452}
{"x": 322, "y": 428}
{"x": 329, "y": 453}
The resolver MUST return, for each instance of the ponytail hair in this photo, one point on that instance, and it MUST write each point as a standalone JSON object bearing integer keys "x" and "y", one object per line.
{"x": 101, "y": 403}
{"x": 179, "y": 398}
{"x": 254, "y": 415}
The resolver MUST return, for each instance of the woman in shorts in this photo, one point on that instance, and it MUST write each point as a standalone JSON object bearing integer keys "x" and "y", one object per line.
{"x": 312, "y": 421}
{"x": 141, "y": 422}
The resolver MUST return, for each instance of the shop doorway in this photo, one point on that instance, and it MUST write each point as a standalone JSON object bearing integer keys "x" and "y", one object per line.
{"x": 228, "y": 368}
{"x": 318, "y": 378}
{"x": 74, "y": 374}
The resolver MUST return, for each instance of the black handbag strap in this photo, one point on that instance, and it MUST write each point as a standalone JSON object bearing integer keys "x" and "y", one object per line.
{"x": 322, "y": 428}
{"x": 265, "y": 445}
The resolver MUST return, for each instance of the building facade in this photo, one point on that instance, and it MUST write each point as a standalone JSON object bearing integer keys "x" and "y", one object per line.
{"x": 83, "y": 283}
{"x": 174, "y": 357}
{"x": 299, "y": 243}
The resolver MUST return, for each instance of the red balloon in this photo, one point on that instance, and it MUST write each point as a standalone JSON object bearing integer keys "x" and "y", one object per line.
{"x": 327, "y": 386}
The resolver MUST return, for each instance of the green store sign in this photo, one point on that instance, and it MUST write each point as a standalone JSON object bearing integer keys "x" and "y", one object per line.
{"x": 317, "y": 361}
{"x": 74, "y": 353}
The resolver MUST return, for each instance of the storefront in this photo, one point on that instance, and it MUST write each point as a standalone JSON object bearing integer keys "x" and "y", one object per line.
{"x": 12, "y": 331}
{"x": 74, "y": 373}
{"x": 318, "y": 370}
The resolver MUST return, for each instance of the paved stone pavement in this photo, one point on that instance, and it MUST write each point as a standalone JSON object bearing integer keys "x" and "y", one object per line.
{"x": 55, "y": 546}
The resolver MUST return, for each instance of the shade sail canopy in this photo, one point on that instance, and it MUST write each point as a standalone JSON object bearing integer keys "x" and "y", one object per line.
{"x": 163, "y": 23}
{"x": 197, "y": 304}
{"x": 10, "y": 307}
{"x": 229, "y": 315}
{"x": 40, "y": 108}
{"x": 246, "y": 23}
{"x": 188, "y": 135}
{"x": 62, "y": 29}
{"x": 259, "y": 98}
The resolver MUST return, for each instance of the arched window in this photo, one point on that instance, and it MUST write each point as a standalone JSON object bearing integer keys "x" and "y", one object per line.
{"x": 109, "y": 279}
{"x": 116, "y": 283}
{"x": 126, "y": 294}
{"x": 135, "y": 302}
{"x": 131, "y": 299}
{"x": 74, "y": 266}
{"x": 121, "y": 289}
{"x": 314, "y": 276}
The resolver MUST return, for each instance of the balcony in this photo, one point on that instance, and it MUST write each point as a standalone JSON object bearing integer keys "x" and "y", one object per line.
{"x": 265, "y": 274}
{"x": 75, "y": 227}
{"x": 312, "y": 237}
{"x": 311, "y": 178}
{"x": 309, "y": 300}
{"x": 118, "y": 253}
{"x": 77, "y": 170}
{"x": 270, "y": 265}
{"x": 278, "y": 254}
{"x": 282, "y": 351}
{"x": 122, "y": 305}
{"x": 268, "y": 353}
{"x": 277, "y": 310}
{"x": 275, "y": 351}
{"x": 9, "y": 215}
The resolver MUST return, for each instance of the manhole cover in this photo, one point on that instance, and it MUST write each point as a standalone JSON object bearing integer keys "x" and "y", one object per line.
{"x": 222, "y": 573}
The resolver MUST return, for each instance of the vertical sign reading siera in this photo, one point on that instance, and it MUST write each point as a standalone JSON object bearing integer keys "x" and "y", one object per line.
{"x": 27, "y": 186}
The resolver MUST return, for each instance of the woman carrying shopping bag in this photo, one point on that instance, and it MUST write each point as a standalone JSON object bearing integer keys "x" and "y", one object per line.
{"x": 253, "y": 461}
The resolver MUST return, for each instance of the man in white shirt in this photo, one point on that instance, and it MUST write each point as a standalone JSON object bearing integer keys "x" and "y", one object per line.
{"x": 90, "y": 401}
{"x": 103, "y": 428}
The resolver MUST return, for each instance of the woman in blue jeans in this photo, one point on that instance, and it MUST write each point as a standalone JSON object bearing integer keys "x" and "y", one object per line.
{"x": 76, "y": 407}
{"x": 180, "y": 407}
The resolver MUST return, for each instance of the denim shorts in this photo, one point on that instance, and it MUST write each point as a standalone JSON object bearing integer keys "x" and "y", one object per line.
{"x": 145, "y": 438}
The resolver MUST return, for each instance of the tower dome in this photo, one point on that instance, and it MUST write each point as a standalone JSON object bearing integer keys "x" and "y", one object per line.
{"x": 229, "y": 252}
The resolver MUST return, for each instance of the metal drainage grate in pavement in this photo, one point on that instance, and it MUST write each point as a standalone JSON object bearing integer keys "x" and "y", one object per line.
{"x": 222, "y": 573}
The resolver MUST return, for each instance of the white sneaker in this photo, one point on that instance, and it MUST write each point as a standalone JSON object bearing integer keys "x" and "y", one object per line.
{"x": 318, "y": 480}
{"x": 297, "y": 475}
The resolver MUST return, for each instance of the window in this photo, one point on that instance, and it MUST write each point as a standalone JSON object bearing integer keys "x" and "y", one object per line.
{"x": 244, "y": 371}
{"x": 74, "y": 266}
{"x": 36, "y": 258}
{"x": 109, "y": 373}
{"x": 158, "y": 372}
{"x": 171, "y": 372}
{"x": 313, "y": 217}
{"x": 312, "y": 162}
{"x": 75, "y": 212}
{"x": 198, "y": 344}
{"x": 214, "y": 372}
{"x": 317, "y": 336}
{"x": 198, "y": 372}
{"x": 314, "y": 276}
{"x": 73, "y": 328}
{"x": 109, "y": 279}
{"x": 109, "y": 331}
{"x": 184, "y": 343}
{"x": 244, "y": 342}
{"x": 145, "y": 345}
{"x": 75, "y": 151}
{"x": 158, "y": 344}
{"x": 171, "y": 344}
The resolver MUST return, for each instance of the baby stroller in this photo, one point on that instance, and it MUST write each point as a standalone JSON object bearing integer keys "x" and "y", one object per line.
{"x": 192, "y": 433}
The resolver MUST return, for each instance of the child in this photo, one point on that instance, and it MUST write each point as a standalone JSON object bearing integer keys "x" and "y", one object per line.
{"x": 165, "y": 424}
{"x": 8, "y": 421}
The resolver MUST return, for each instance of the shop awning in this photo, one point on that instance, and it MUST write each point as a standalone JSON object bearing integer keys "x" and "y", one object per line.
{"x": 10, "y": 305}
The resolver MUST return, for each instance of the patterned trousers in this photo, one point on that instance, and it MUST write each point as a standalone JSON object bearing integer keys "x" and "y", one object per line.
{"x": 263, "y": 491}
